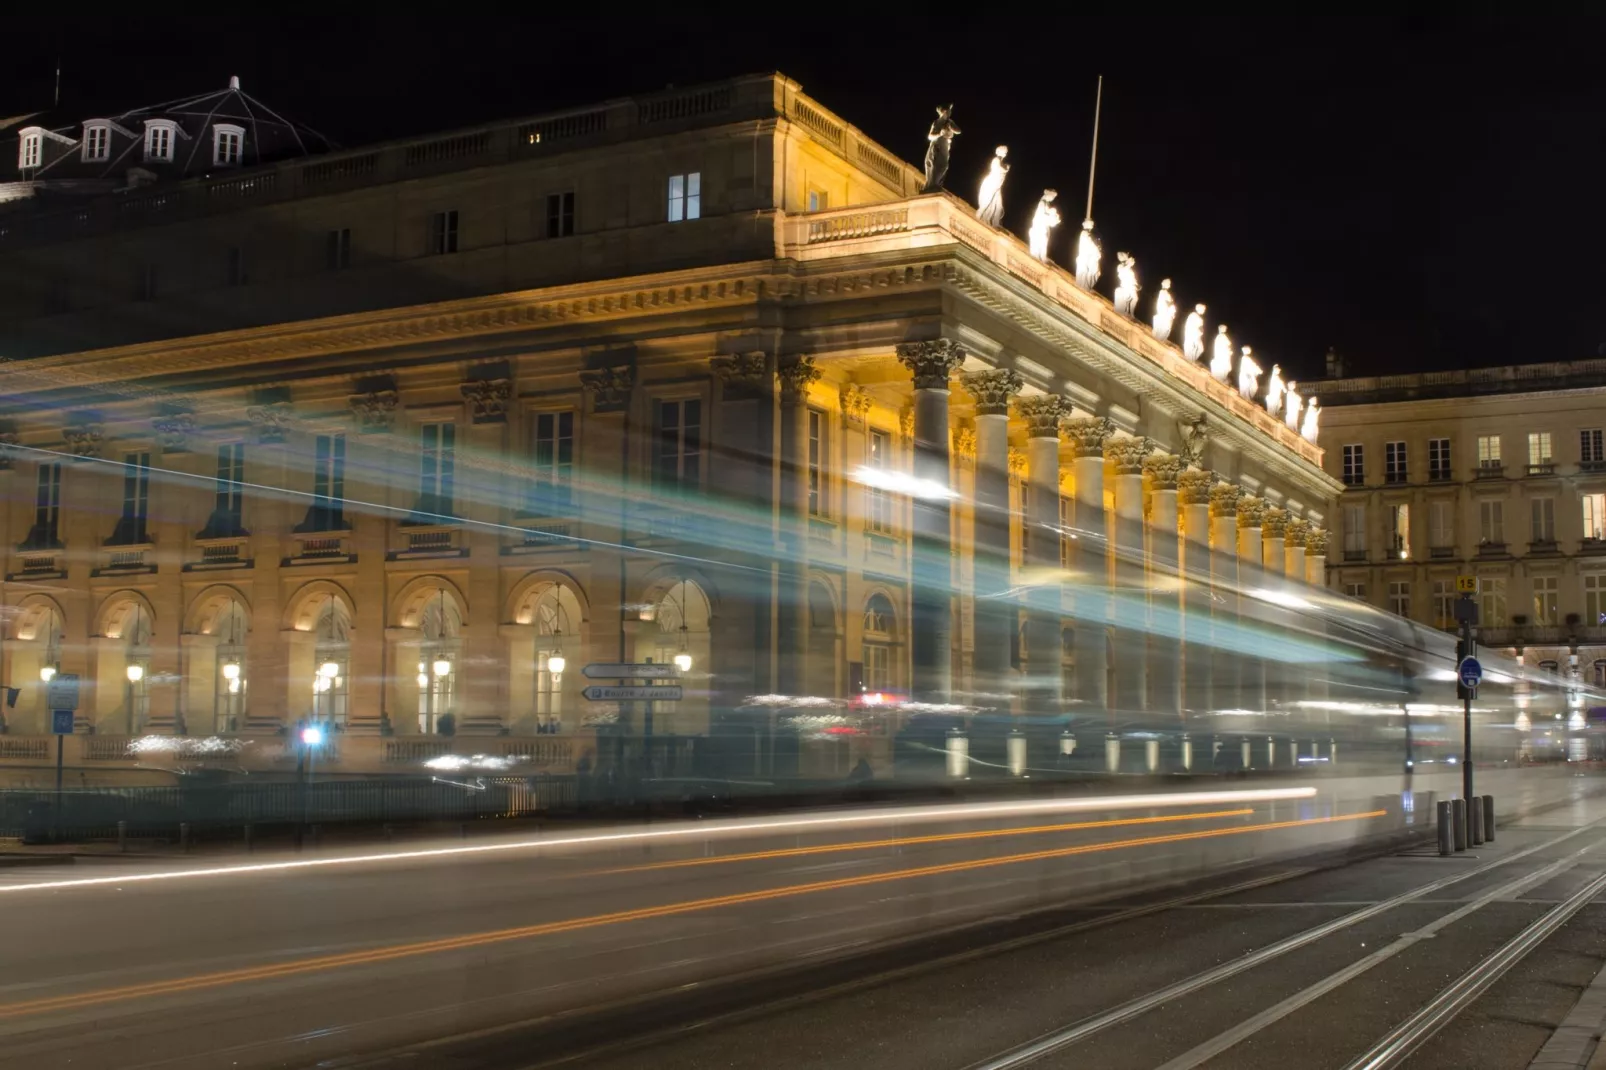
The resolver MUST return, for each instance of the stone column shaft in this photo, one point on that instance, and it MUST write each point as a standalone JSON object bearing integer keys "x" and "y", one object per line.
{"x": 1130, "y": 597}
{"x": 995, "y": 614}
{"x": 1092, "y": 609}
{"x": 1224, "y": 603}
{"x": 1165, "y": 599}
{"x": 792, "y": 622}
{"x": 1251, "y": 547}
{"x": 1045, "y": 676}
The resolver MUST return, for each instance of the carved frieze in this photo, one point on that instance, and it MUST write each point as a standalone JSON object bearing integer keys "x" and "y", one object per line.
{"x": 174, "y": 431}
{"x": 487, "y": 399}
{"x": 84, "y": 439}
{"x": 374, "y": 410}
{"x": 272, "y": 420}
{"x": 609, "y": 388}
{"x": 744, "y": 375}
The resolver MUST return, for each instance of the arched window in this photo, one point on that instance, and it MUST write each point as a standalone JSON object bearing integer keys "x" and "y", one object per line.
{"x": 556, "y": 616}
{"x": 1550, "y": 666}
{"x": 332, "y": 662}
{"x": 880, "y": 633}
{"x": 440, "y": 626}
{"x": 136, "y": 634}
{"x": 228, "y": 707}
{"x": 682, "y": 614}
{"x": 1600, "y": 672}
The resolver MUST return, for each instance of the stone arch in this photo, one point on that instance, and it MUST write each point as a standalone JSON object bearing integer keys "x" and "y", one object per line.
{"x": 37, "y": 642}
{"x": 113, "y": 612}
{"x": 304, "y": 607}
{"x": 31, "y": 613}
{"x": 208, "y": 607}
{"x": 521, "y": 602}
{"x": 663, "y": 577}
{"x": 548, "y": 642}
{"x": 881, "y": 640}
{"x": 824, "y": 636}
{"x": 408, "y": 606}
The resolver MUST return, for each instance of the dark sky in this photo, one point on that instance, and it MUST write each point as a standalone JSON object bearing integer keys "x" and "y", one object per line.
{"x": 1420, "y": 193}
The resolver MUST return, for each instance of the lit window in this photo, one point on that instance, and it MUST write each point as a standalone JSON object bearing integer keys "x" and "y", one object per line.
{"x": 819, "y": 504}
{"x": 1438, "y": 458}
{"x": 1595, "y": 516}
{"x": 878, "y": 516}
{"x": 228, "y": 144}
{"x": 1444, "y": 598}
{"x": 31, "y": 151}
{"x": 819, "y": 200}
{"x": 1591, "y": 448}
{"x": 1539, "y": 447}
{"x": 1492, "y": 599}
{"x": 1400, "y": 531}
{"x": 1354, "y": 465}
{"x": 879, "y": 624}
{"x": 685, "y": 196}
{"x": 1492, "y": 522}
{"x": 443, "y": 233}
{"x": 1489, "y": 451}
{"x": 97, "y": 141}
{"x": 1394, "y": 462}
{"x": 1545, "y": 599}
{"x": 159, "y": 139}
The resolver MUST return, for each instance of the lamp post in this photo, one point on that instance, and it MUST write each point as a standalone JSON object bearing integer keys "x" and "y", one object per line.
{"x": 135, "y": 673}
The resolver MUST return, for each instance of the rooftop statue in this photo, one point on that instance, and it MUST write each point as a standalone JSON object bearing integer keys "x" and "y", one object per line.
{"x": 1087, "y": 257}
{"x": 1193, "y": 334}
{"x": 990, "y": 198}
{"x": 1045, "y": 219}
{"x": 1126, "y": 285}
{"x": 1313, "y": 413}
{"x": 1221, "y": 354}
{"x": 1165, "y": 311}
{"x": 1248, "y": 374}
{"x": 1274, "y": 390}
{"x": 1291, "y": 405}
{"x": 940, "y": 138}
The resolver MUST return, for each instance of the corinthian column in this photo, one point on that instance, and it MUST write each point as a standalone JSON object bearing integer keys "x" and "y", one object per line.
{"x": 995, "y": 613}
{"x": 1224, "y": 602}
{"x": 1193, "y": 498}
{"x": 1165, "y": 607}
{"x": 792, "y": 625}
{"x": 1316, "y": 557}
{"x": 931, "y": 631}
{"x": 1273, "y": 529}
{"x": 1251, "y": 670}
{"x": 1087, "y": 435}
{"x": 1042, "y": 414}
{"x": 1129, "y": 598}
{"x": 1294, "y": 548}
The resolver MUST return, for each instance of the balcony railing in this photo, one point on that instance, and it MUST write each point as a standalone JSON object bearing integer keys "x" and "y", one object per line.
{"x": 1544, "y": 546}
{"x": 1440, "y": 475}
{"x": 1591, "y": 545}
{"x": 1543, "y": 468}
{"x": 1441, "y": 551}
{"x": 1354, "y": 555}
{"x": 1596, "y": 465}
{"x": 1490, "y": 548}
{"x": 1489, "y": 470}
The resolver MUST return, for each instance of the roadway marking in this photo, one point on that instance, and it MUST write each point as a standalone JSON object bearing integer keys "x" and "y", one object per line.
{"x": 945, "y": 837}
{"x": 473, "y": 940}
{"x": 701, "y": 831}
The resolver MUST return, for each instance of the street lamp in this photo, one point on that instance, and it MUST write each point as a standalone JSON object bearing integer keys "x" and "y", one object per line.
{"x": 683, "y": 661}
{"x": 231, "y": 670}
{"x": 556, "y": 663}
{"x": 135, "y": 673}
{"x": 442, "y": 666}
{"x": 329, "y": 670}
{"x": 47, "y": 673}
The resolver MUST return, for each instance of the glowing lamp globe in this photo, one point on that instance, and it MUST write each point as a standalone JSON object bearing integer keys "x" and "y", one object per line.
{"x": 329, "y": 670}
{"x": 47, "y": 673}
{"x": 423, "y": 679}
{"x": 683, "y": 662}
{"x": 311, "y": 736}
{"x": 556, "y": 664}
{"x": 442, "y": 666}
{"x": 136, "y": 673}
{"x": 231, "y": 670}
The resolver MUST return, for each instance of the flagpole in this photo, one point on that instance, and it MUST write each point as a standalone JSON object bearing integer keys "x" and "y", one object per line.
{"x": 1093, "y": 163}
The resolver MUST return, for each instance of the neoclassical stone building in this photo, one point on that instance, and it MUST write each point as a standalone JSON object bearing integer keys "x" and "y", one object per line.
{"x": 701, "y": 374}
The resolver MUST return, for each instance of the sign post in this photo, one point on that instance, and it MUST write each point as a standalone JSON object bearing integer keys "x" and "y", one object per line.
{"x": 1468, "y": 672}
{"x": 61, "y": 695}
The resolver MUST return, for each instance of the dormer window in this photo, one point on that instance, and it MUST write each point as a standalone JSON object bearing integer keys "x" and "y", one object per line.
{"x": 31, "y": 151}
{"x": 159, "y": 134}
{"x": 97, "y": 140}
{"x": 228, "y": 144}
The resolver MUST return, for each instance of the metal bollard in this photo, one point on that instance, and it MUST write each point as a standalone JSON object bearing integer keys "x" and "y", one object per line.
{"x": 1474, "y": 822}
{"x": 1488, "y": 819}
{"x": 317, "y": 835}
{"x": 122, "y": 837}
{"x": 184, "y": 837}
{"x": 248, "y": 839}
{"x": 1446, "y": 830}
{"x": 390, "y": 833}
{"x": 1460, "y": 808}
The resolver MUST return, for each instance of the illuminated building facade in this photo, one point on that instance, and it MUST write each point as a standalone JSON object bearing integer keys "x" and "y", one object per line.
{"x": 1498, "y": 473}
{"x": 701, "y": 373}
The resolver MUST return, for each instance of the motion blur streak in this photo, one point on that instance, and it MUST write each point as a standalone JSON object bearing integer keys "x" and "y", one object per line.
{"x": 762, "y": 825}
{"x": 473, "y": 940}
{"x": 948, "y": 837}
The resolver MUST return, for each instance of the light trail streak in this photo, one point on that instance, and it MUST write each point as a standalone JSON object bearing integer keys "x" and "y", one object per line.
{"x": 908, "y": 841}
{"x": 177, "y": 985}
{"x": 980, "y": 811}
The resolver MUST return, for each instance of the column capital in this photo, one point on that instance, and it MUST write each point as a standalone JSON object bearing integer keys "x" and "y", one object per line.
{"x": 965, "y": 442}
{"x": 743, "y": 374}
{"x": 933, "y": 363}
{"x": 1127, "y": 453}
{"x": 1017, "y": 463}
{"x": 1316, "y": 542}
{"x": 1193, "y": 486}
{"x": 992, "y": 389}
{"x": 1251, "y": 511}
{"x": 1296, "y": 531}
{"x": 1162, "y": 470}
{"x": 1042, "y": 414}
{"x": 1087, "y": 434}
{"x": 609, "y": 388}
{"x": 795, "y": 376}
{"x": 1274, "y": 523}
{"x": 855, "y": 403}
{"x": 1224, "y": 499}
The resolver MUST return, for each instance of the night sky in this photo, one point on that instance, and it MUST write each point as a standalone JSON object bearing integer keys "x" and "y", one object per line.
{"x": 1419, "y": 193}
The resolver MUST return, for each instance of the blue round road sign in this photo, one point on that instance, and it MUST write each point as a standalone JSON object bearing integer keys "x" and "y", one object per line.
{"x": 1470, "y": 672}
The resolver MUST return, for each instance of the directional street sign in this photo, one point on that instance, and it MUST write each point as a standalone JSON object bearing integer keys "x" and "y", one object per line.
{"x": 637, "y": 670}
{"x": 1469, "y": 672}
{"x": 61, "y": 693}
{"x": 665, "y": 693}
{"x": 61, "y": 722}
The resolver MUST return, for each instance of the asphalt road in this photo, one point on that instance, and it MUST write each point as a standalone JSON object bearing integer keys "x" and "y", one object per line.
{"x": 514, "y": 953}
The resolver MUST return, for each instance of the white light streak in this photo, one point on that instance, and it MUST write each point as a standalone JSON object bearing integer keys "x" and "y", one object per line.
{"x": 697, "y": 830}
{"x": 902, "y": 483}
{"x": 1280, "y": 598}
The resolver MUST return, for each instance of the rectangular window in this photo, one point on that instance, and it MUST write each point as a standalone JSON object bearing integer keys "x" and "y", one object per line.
{"x": 819, "y": 500}
{"x": 437, "y": 468}
{"x": 1354, "y": 465}
{"x": 236, "y": 266}
{"x": 33, "y": 148}
{"x": 227, "y": 149}
{"x": 1594, "y": 599}
{"x": 553, "y": 464}
{"x": 443, "y": 233}
{"x": 329, "y": 483}
{"x": 1400, "y": 531}
{"x": 1444, "y": 597}
{"x": 1492, "y": 601}
{"x": 677, "y": 450}
{"x": 1545, "y": 598}
{"x": 1492, "y": 523}
{"x": 1539, "y": 448}
{"x": 1544, "y": 519}
{"x": 230, "y": 486}
{"x": 1439, "y": 458}
{"x": 1394, "y": 462}
{"x": 47, "y": 507}
{"x": 1441, "y": 525}
{"x": 559, "y": 215}
{"x": 1355, "y": 532}
{"x": 1400, "y": 598}
{"x": 878, "y": 515}
{"x": 1594, "y": 516}
{"x": 338, "y": 249}
{"x": 1591, "y": 449}
{"x": 97, "y": 143}
{"x": 158, "y": 143}
{"x": 136, "y": 500}
{"x": 685, "y": 196}
{"x": 819, "y": 200}
{"x": 1356, "y": 590}
{"x": 1489, "y": 451}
